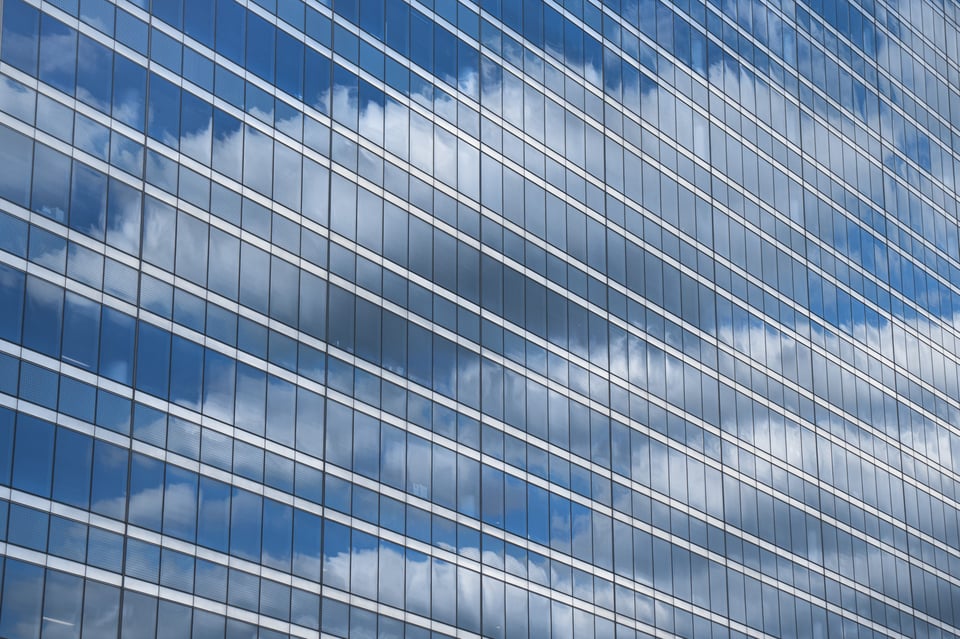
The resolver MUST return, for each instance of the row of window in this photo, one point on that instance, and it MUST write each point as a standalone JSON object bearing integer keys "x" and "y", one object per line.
{"x": 81, "y": 315}
{"x": 80, "y": 222}
{"x": 159, "y": 248}
{"x": 59, "y": 604}
{"x": 908, "y": 279}
{"x": 50, "y": 250}
{"x": 382, "y": 570}
{"x": 373, "y": 16}
{"x": 82, "y": 401}
{"x": 275, "y": 216}
{"x": 118, "y": 210}
{"x": 894, "y": 54}
{"x": 405, "y": 348}
{"x": 194, "y": 114}
{"x": 338, "y": 450}
{"x": 681, "y": 128}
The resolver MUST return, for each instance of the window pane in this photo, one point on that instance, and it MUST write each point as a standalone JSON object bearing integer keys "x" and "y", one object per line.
{"x": 22, "y": 598}
{"x": 16, "y": 154}
{"x": 101, "y": 607}
{"x": 33, "y": 455}
{"x": 62, "y": 605}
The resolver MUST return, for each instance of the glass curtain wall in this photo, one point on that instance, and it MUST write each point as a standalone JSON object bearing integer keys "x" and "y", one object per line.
{"x": 499, "y": 318}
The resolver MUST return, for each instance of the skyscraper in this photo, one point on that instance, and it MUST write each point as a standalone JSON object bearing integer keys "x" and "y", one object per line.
{"x": 427, "y": 318}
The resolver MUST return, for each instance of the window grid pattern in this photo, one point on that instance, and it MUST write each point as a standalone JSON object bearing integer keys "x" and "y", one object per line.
{"x": 501, "y": 319}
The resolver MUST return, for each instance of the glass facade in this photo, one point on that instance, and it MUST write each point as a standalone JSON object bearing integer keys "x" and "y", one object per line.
{"x": 509, "y": 318}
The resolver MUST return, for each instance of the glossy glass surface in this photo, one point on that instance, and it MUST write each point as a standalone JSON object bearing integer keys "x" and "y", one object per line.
{"x": 424, "y": 318}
